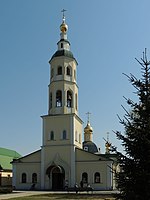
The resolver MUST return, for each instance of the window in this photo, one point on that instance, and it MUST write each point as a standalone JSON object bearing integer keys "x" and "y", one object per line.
{"x": 34, "y": 178}
{"x": 97, "y": 177}
{"x": 85, "y": 177}
{"x": 76, "y": 136}
{"x": 51, "y": 135}
{"x": 24, "y": 178}
{"x": 61, "y": 45}
{"x": 79, "y": 138}
{"x": 59, "y": 70}
{"x": 86, "y": 148}
{"x": 64, "y": 136}
{"x": 75, "y": 74}
{"x": 58, "y": 98}
{"x": 69, "y": 99}
{"x": 76, "y": 101}
{"x": 69, "y": 71}
{"x": 50, "y": 99}
{"x": 52, "y": 73}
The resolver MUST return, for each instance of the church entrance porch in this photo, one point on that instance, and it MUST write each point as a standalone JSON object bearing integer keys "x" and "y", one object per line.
{"x": 56, "y": 176}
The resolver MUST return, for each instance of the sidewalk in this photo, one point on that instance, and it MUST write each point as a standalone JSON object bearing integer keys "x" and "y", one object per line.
{"x": 15, "y": 194}
{"x": 22, "y": 194}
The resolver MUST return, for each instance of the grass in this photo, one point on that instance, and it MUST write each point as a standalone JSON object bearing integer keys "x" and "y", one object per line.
{"x": 67, "y": 196}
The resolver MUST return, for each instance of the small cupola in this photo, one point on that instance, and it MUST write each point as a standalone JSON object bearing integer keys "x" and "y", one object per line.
{"x": 88, "y": 144}
{"x": 88, "y": 129}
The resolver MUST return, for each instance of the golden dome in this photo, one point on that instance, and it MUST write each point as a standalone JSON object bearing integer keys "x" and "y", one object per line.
{"x": 63, "y": 27}
{"x": 88, "y": 128}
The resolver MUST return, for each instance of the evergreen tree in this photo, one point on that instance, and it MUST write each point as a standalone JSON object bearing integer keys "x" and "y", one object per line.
{"x": 133, "y": 180}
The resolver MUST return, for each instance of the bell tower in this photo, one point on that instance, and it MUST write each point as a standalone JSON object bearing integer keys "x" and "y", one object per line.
{"x": 62, "y": 127}
{"x": 63, "y": 89}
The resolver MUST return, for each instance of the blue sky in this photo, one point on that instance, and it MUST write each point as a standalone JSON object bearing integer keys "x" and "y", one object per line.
{"x": 105, "y": 37}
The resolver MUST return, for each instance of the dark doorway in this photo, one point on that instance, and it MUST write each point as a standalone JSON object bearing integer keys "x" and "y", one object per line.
{"x": 57, "y": 181}
{"x": 58, "y": 176}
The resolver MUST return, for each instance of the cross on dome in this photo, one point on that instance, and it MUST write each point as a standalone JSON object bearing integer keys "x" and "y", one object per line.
{"x": 88, "y": 116}
{"x": 63, "y": 26}
{"x": 63, "y": 11}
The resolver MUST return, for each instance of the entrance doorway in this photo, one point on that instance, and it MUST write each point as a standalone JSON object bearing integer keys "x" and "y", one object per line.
{"x": 57, "y": 176}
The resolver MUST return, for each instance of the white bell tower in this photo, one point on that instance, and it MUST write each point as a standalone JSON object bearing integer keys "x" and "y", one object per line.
{"x": 62, "y": 127}
{"x": 63, "y": 89}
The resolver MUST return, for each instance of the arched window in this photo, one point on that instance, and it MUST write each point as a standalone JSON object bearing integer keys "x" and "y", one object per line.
{"x": 69, "y": 99}
{"x": 85, "y": 177}
{"x": 64, "y": 135}
{"x": 97, "y": 177}
{"x": 58, "y": 98}
{"x": 52, "y": 73}
{"x": 69, "y": 71}
{"x": 76, "y": 101}
{"x": 61, "y": 45}
{"x": 76, "y": 136}
{"x": 50, "y": 100}
{"x": 24, "y": 178}
{"x": 51, "y": 135}
{"x": 34, "y": 178}
{"x": 59, "y": 70}
{"x": 79, "y": 137}
{"x": 75, "y": 74}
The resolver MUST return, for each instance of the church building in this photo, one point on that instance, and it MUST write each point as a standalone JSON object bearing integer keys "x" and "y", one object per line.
{"x": 63, "y": 159}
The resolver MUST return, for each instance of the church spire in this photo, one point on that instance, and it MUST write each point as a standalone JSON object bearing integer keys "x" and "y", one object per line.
{"x": 63, "y": 43}
{"x": 63, "y": 26}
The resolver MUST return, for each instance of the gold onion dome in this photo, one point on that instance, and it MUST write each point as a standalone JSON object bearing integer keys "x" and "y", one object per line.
{"x": 88, "y": 128}
{"x": 63, "y": 26}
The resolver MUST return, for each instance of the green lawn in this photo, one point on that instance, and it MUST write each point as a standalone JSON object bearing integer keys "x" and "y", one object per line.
{"x": 67, "y": 196}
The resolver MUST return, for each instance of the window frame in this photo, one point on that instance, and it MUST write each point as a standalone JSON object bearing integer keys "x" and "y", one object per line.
{"x": 50, "y": 100}
{"x": 52, "y": 72}
{"x": 23, "y": 177}
{"x": 64, "y": 135}
{"x": 85, "y": 177}
{"x": 69, "y": 99}
{"x": 34, "y": 177}
{"x": 97, "y": 177}
{"x": 58, "y": 98}
{"x": 51, "y": 135}
{"x": 59, "y": 70}
{"x": 68, "y": 71}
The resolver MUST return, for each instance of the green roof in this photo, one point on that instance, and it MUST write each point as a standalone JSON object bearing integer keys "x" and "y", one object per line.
{"x": 6, "y": 156}
{"x": 63, "y": 53}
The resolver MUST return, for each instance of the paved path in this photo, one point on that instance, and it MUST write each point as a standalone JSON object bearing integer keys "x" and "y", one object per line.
{"x": 22, "y": 194}
{"x": 15, "y": 194}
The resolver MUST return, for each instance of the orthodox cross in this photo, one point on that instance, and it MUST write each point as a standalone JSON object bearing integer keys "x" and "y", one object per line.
{"x": 88, "y": 116}
{"x": 63, "y": 11}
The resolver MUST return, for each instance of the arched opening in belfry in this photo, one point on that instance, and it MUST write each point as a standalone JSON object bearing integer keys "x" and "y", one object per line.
{"x": 69, "y": 99}
{"x": 50, "y": 100}
{"x": 58, "y": 98}
{"x": 69, "y": 71}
